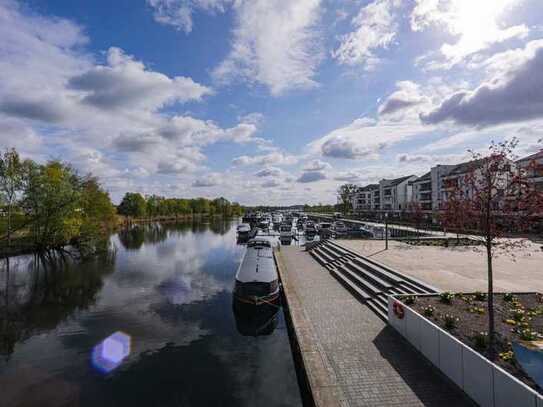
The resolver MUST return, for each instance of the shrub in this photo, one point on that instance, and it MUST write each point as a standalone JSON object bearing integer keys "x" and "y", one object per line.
{"x": 508, "y": 297}
{"x": 446, "y": 297}
{"x": 450, "y": 321}
{"x": 428, "y": 311}
{"x": 528, "y": 335}
{"x": 506, "y": 356}
{"x": 518, "y": 314}
{"x": 476, "y": 310}
{"x": 481, "y": 340}
{"x": 480, "y": 296}
{"x": 408, "y": 300}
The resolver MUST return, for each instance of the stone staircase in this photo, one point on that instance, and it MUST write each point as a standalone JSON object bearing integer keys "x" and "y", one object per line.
{"x": 367, "y": 279}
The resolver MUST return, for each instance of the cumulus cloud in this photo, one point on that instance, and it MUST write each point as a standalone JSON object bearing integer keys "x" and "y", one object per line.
{"x": 269, "y": 172}
{"x": 273, "y": 158}
{"x": 513, "y": 95}
{"x": 407, "y": 96}
{"x": 106, "y": 117}
{"x": 125, "y": 83}
{"x": 178, "y": 13}
{"x": 413, "y": 158}
{"x": 349, "y": 176}
{"x": 272, "y": 183}
{"x": 311, "y": 176}
{"x": 365, "y": 138}
{"x": 317, "y": 165}
{"x": 474, "y": 25}
{"x": 375, "y": 28}
{"x": 275, "y": 43}
{"x": 207, "y": 181}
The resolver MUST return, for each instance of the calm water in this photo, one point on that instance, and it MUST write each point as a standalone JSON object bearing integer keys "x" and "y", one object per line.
{"x": 169, "y": 288}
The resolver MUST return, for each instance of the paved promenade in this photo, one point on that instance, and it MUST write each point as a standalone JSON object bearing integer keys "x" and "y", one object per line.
{"x": 352, "y": 358}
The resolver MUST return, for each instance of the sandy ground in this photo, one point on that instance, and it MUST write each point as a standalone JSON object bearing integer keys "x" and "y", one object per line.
{"x": 458, "y": 269}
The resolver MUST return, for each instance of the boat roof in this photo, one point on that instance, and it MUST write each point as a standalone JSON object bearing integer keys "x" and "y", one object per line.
{"x": 257, "y": 265}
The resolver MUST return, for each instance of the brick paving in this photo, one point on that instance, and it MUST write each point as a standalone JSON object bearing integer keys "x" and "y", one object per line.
{"x": 361, "y": 360}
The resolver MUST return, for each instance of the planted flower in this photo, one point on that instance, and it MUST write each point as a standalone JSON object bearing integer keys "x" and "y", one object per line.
{"x": 476, "y": 310}
{"x": 408, "y": 300}
{"x": 518, "y": 314}
{"x": 446, "y": 297}
{"x": 428, "y": 311}
{"x": 450, "y": 321}
{"x": 508, "y": 297}
{"x": 506, "y": 356}
{"x": 528, "y": 335}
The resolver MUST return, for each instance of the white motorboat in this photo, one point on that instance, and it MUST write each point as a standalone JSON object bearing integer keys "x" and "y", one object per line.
{"x": 285, "y": 231}
{"x": 340, "y": 227}
{"x": 257, "y": 281}
{"x": 243, "y": 229}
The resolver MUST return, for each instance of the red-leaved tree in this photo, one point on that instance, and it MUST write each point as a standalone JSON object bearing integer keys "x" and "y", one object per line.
{"x": 490, "y": 201}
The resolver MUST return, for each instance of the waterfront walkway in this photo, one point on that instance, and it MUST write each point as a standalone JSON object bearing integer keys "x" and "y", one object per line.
{"x": 352, "y": 358}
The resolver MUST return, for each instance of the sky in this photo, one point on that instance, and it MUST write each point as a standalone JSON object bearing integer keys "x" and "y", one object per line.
{"x": 273, "y": 102}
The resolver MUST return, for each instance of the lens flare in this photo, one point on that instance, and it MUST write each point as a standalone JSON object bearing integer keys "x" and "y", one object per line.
{"x": 109, "y": 354}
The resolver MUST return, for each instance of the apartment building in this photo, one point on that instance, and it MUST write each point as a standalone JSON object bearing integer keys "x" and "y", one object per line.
{"x": 533, "y": 165}
{"x": 364, "y": 198}
{"x": 396, "y": 194}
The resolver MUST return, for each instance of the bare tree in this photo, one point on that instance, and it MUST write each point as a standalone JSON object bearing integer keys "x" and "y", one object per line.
{"x": 345, "y": 193}
{"x": 492, "y": 199}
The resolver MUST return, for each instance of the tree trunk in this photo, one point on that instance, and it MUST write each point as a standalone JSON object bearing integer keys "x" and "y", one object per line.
{"x": 9, "y": 225}
{"x": 490, "y": 299}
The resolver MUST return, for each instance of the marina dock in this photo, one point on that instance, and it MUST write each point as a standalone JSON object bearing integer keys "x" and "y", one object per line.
{"x": 351, "y": 357}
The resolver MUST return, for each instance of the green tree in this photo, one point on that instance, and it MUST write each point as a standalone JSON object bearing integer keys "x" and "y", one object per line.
{"x": 11, "y": 184}
{"x": 345, "y": 193}
{"x": 133, "y": 204}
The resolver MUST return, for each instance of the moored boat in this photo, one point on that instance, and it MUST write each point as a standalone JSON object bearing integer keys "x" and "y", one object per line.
{"x": 257, "y": 281}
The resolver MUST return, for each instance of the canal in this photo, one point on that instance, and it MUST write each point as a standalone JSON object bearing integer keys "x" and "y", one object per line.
{"x": 149, "y": 324}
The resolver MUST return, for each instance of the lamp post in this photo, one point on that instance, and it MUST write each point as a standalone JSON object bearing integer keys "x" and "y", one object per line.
{"x": 386, "y": 230}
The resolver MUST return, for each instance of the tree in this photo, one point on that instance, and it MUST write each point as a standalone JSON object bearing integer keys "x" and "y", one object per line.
{"x": 345, "y": 193}
{"x": 416, "y": 214}
{"x": 11, "y": 183}
{"x": 133, "y": 204}
{"x": 496, "y": 198}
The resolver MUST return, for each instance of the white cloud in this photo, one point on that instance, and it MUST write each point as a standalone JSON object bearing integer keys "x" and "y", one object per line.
{"x": 365, "y": 138}
{"x": 407, "y": 96}
{"x": 476, "y": 24}
{"x": 375, "y": 28}
{"x": 274, "y": 158}
{"x": 311, "y": 176}
{"x": 317, "y": 165}
{"x": 269, "y": 172}
{"x": 275, "y": 43}
{"x": 178, "y": 13}
{"x": 512, "y": 95}
{"x": 125, "y": 84}
{"x": 207, "y": 181}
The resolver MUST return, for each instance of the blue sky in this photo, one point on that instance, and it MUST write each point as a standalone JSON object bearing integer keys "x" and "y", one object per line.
{"x": 266, "y": 101}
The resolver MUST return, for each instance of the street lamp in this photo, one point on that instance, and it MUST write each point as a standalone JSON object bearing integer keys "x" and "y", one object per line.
{"x": 386, "y": 230}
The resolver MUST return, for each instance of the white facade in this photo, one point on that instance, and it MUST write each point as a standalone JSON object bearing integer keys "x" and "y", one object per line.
{"x": 396, "y": 194}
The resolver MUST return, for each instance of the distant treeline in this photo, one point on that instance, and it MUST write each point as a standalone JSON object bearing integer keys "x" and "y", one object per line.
{"x": 137, "y": 206}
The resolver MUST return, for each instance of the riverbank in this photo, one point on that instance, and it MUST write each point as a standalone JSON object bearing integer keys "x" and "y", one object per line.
{"x": 350, "y": 356}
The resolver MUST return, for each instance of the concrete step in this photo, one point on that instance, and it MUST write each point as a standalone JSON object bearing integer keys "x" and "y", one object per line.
{"x": 317, "y": 257}
{"x": 369, "y": 275}
{"x": 357, "y": 291}
{"x": 359, "y": 281}
{"x": 400, "y": 290}
{"x": 384, "y": 274}
{"x": 324, "y": 255}
{"x": 326, "y": 248}
{"x": 378, "y": 309}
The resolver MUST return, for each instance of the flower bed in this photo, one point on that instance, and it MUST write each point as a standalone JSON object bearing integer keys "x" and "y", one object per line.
{"x": 450, "y": 330}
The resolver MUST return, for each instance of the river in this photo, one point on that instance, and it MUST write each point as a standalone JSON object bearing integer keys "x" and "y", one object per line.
{"x": 150, "y": 324}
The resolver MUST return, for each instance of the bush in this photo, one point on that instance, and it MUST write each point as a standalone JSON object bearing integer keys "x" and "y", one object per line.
{"x": 408, "y": 300}
{"x": 480, "y": 296}
{"x": 528, "y": 335}
{"x": 481, "y": 340}
{"x": 428, "y": 311}
{"x": 507, "y": 356}
{"x": 508, "y": 297}
{"x": 446, "y": 297}
{"x": 476, "y": 310}
{"x": 450, "y": 321}
{"x": 518, "y": 314}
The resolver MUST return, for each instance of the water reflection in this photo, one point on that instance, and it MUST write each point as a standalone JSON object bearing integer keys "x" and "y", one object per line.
{"x": 255, "y": 320}
{"x": 169, "y": 288}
